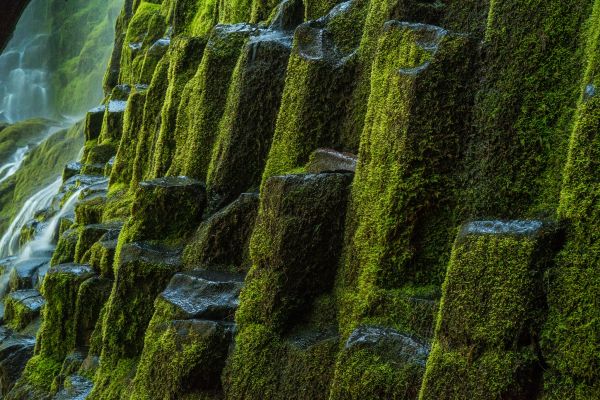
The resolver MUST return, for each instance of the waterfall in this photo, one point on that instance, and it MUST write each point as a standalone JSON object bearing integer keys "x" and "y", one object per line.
{"x": 12, "y": 166}
{"x": 24, "y": 83}
{"x": 44, "y": 242}
{"x": 9, "y": 244}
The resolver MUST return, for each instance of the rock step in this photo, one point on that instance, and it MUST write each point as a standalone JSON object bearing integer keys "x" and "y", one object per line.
{"x": 22, "y": 307}
{"x": 15, "y": 351}
{"x": 205, "y": 295}
{"x": 76, "y": 387}
{"x": 25, "y": 274}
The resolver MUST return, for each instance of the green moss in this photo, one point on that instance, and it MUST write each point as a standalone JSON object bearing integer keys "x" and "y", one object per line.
{"x": 364, "y": 375}
{"x": 148, "y": 131}
{"x": 56, "y": 336}
{"x": 65, "y": 249}
{"x": 91, "y": 297}
{"x": 256, "y": 90}
{"x": 90, "y": 211}
{"x": 179, "y": 357}
{"x": 486, "y": 340}
{"x": 165, "y": 209}
{"x": 222, "y": 241}
{"x": 141, "y": 52}
{"x": 203, "y": 102}
{"x": 40, "y": 372}
{"x": 132, "y": 120}
{"x": 401, "y": 212}
{"x": 569, "y": 338}
{"x": 525, "y": 106}
{"x": 21, "y": 308}
{"x": 377, "y": 13}
{"x": 316, "y": 91}
{"x": 141, "y": 273}
{"x": 185, "y": 55}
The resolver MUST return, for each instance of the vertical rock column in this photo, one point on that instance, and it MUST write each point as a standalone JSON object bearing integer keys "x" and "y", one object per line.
{"x": 295, "y": 249}
{"x": 247, "y": 126}
{"x": 487, "y": 337}
{"x": 402, "y": 218}
{"x": 571, "y": 345}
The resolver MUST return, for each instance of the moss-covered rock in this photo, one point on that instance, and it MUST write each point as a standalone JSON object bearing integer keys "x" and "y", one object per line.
{"x": 203, "y": 101}
{"x": 60, "y": 288}
{"x": 91, "y": 297}
{"x": 132, "y": 120}
{"x": 569, "y": 338}
{"x": 378, "y": 363}
{"x": 185, "y": 55}
{"x": 401, "y": 217}
{"x": 148, "y": 131}
{"x": 22, "y": 307}
{"x": 142, "y": 271}
{"x": 283, "y": 285}
{"x": 165, "y": 208}
{"x": 487, "y": 337}
{"x": 93, "y": 123}
{"x": 222, "y": 241}
{"x": 249, "y": 118}
{"x": 319, "y": 80}
{"x": 65, "y": 249}
{"x": 90, "y": 234}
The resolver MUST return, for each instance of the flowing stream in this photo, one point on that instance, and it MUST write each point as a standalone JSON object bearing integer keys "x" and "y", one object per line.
{"x": 12, "y": 166}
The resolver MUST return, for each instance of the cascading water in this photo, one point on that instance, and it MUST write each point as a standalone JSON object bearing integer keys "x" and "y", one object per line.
{"x": 12, "y": 166}
{"x": 44, "y": 241}
{"x": 9, "y": 244}
{"x": 24, "y": 86}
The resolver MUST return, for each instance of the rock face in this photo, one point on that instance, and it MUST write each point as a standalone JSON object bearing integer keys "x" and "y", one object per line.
{"x": 10, "y": 16}
{"x": 323, "y": 200}
{"x": 15, "y": 351}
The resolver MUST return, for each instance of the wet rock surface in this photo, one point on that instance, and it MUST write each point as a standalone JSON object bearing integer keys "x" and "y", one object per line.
{"x": 222, "y": 241}
{"x": 203, "y": 295}
{"x": 329, "y": 160}
{"x": 15, "y": 351}
{"x": 387, "y": 343}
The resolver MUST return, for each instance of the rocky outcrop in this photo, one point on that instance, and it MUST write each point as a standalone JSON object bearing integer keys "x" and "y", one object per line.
{"x": 10, "y": 16}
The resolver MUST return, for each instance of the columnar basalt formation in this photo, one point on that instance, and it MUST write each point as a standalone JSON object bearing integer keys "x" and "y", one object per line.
{"x": 370, "y": 199}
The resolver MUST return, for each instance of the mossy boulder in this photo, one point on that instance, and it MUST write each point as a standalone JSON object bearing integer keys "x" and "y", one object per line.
{"x": 283, "y": 285}
{"x": 222, "y": 241}
{"x": 65, "y": 249}
{"x": 487, "y": 337}
{"x": 90, "y": 234}
{"x": 142, "y": 272}
{"x": 185, "y": 55}
{"x": 112, "y": 125}
{"x": 91, "y": 297}
{"x": 165, "y": 208}
{"x": 319, "y": 80}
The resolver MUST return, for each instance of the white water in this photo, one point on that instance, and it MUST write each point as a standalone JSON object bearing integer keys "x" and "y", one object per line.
{"x": 9, "y": 244}
{"x": 24, "y": 83}
{"x": 44, "y": 242}
{"x": 12, "y": 166}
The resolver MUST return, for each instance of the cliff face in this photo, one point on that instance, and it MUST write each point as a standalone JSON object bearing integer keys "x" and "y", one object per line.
{"x": 10, "y": 16}
{"x": 375, "y": 199}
